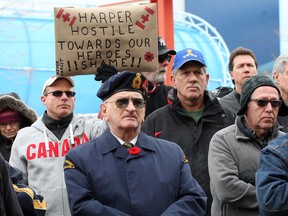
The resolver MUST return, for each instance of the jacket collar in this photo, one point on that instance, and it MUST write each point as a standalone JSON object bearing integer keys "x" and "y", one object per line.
{"x": 245, "y": 132}
{"x": 110, "y": 143}
{"x": 209, "y": 100}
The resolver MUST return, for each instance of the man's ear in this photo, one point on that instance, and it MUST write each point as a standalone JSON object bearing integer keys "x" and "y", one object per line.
{"x": 276, "y": 77}
{"x": 43, "y": 99}
{"x": 207, "y": 78}
{"x": 103, "y": 111}
{"x": 172, "y": 79}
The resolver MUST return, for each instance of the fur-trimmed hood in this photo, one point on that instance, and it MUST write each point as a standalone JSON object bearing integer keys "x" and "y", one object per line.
{"x": 13, "y": 101}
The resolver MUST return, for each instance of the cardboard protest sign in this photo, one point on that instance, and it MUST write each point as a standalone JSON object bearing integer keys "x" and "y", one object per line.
{"x": 122, "y": 36}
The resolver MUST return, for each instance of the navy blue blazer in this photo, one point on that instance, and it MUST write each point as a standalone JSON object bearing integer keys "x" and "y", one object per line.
{"x": 102, "y": 178}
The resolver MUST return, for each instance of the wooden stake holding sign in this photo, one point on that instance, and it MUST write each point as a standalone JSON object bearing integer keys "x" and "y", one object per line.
{"x": 122, "y": 36}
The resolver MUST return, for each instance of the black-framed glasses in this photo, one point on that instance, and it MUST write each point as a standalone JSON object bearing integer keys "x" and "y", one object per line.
{"x": 59, "y": 93}
{"x": 162, "y": 58}
{"x": 121, "y": 103}
{"x": 264, "y": 103}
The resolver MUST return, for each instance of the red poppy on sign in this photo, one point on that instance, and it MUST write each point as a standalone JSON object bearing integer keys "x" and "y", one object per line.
{"x": 134, "y": 150}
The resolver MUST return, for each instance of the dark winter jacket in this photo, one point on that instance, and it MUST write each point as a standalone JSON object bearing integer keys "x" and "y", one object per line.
{"x": 156, "y": 97}
{"x": 231, "y": 101}
{"x": 32, "y": 204}
{"x": 9, "y": 204}
{"x": 170, "y": 123}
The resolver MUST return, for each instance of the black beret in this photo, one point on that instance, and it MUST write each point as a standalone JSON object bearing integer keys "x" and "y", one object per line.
{"x": 249, "y": 87}
{"x": 123, "y": 81}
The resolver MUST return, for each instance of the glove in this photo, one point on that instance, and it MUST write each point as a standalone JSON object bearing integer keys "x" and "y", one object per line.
{"x": 104, "y": 72}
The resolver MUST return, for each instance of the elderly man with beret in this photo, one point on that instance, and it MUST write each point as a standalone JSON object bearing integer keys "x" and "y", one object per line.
{"x": 233, "y": 157}
{"x": 124, "y": 171}
{"x": 157, "y": 90}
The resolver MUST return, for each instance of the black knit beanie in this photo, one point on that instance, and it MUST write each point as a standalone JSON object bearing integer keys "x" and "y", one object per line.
{"x": 249, "y": 87}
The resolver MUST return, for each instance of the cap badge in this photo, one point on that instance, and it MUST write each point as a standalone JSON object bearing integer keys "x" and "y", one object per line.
{"x": 189, "y": 53}
{"x": 136, "y": 83}
{"x": 162, "y": 42}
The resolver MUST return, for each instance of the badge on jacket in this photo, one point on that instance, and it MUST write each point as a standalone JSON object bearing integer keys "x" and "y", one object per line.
{"x": 68, "y": 165}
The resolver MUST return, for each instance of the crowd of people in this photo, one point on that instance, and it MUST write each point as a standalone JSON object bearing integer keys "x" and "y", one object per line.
{"x": 152, "y": 149}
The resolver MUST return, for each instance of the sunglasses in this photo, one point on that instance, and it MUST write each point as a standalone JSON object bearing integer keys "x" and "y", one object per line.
{"x": 264, "y": 103}
{"x": 121, "y": 103}
{"x": 59, "y": 93}
{"x": 162, "y": 58}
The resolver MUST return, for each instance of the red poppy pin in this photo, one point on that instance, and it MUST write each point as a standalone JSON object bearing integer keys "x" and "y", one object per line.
{"x": 134, "y": 150}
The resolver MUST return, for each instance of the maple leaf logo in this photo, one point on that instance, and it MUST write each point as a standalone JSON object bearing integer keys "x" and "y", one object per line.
{"x": 145, "y": 18}
{"x": 66, "y": 17}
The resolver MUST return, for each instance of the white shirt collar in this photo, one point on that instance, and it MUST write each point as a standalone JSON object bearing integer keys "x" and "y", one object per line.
{"x": 133, "y": 141}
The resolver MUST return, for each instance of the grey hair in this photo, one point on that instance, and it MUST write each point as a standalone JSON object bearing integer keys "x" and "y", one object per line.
{"x": 175, "y": 71}
{"x": 280, "y": 63}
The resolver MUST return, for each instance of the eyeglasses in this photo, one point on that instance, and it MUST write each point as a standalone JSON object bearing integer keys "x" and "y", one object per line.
{"x": 59, "y": 93}
{"x": 121, "y": 103}
{"x": 11, "y": 123}
{"x": 162, "y": 58}
{"x": 264, "y": 103}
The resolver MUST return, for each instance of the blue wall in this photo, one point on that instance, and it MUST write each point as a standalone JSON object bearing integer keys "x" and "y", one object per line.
{"x": 249, "y": 23}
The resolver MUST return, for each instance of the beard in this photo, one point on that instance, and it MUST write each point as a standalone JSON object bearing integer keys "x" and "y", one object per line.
{"x": 160, "y": 76}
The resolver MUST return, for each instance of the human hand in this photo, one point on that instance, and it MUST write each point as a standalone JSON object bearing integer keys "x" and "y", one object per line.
{"x": 104, "y": 72}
